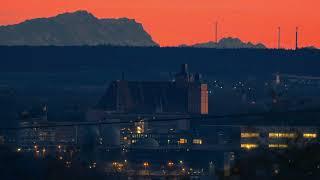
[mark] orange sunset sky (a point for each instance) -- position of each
(174, 22)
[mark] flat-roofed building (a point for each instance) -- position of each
(277, 137)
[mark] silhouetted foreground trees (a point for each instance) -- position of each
(289, 164)
(17, 166)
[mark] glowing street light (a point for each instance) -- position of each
(170, 164)
(146, 164)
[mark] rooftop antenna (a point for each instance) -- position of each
(297, 36)
(279, 37)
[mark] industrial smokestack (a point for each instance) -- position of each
(279, 37)
(216, 32)
(297, 36)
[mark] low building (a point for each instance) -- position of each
(277, 137)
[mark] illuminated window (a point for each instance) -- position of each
(183, 141)
(125, 138)
(309, 135)
(140, 127)
(139, 130)
(249, 135)
(282, 135)
(278, 146)
(197, 141)
(249, 146)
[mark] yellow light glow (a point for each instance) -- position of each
(278, 146)
(282, 135)
(197, 141)
(309, 135)
(249, 135)
(249, 146)
(146, 164)
(170, 164)
(183, 141)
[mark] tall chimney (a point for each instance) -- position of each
(279, 38)
(297, 36)
(216, 32)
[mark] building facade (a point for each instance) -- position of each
(185, 94)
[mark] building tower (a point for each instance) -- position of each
(184, 68)
(229, 159)
(183, 76)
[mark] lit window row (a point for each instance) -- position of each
(249, 135)
(309, 135)
(183, 141)
(278, 146)
(282, 135)
(249, 146)
(139, 130)
(197, 141)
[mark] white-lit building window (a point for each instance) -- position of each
(280, 146)
(282, 135)
(249, 135)
(249, 146)
(197, 141)
(183, 141)
(309, 135)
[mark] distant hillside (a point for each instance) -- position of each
(72, 79)
(77, 28)
(229, 43)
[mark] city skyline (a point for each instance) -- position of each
(189, 22)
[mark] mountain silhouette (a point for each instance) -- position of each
(77, 28)
(228, 43)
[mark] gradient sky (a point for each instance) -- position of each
(173, 22)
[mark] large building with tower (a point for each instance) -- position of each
(182, 97)
(185, 94)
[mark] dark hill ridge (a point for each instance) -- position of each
(73, 79)
(77, 28)
(229, 43)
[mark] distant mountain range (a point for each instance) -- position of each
(77, 28)
(228, 43)
(82, 28)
